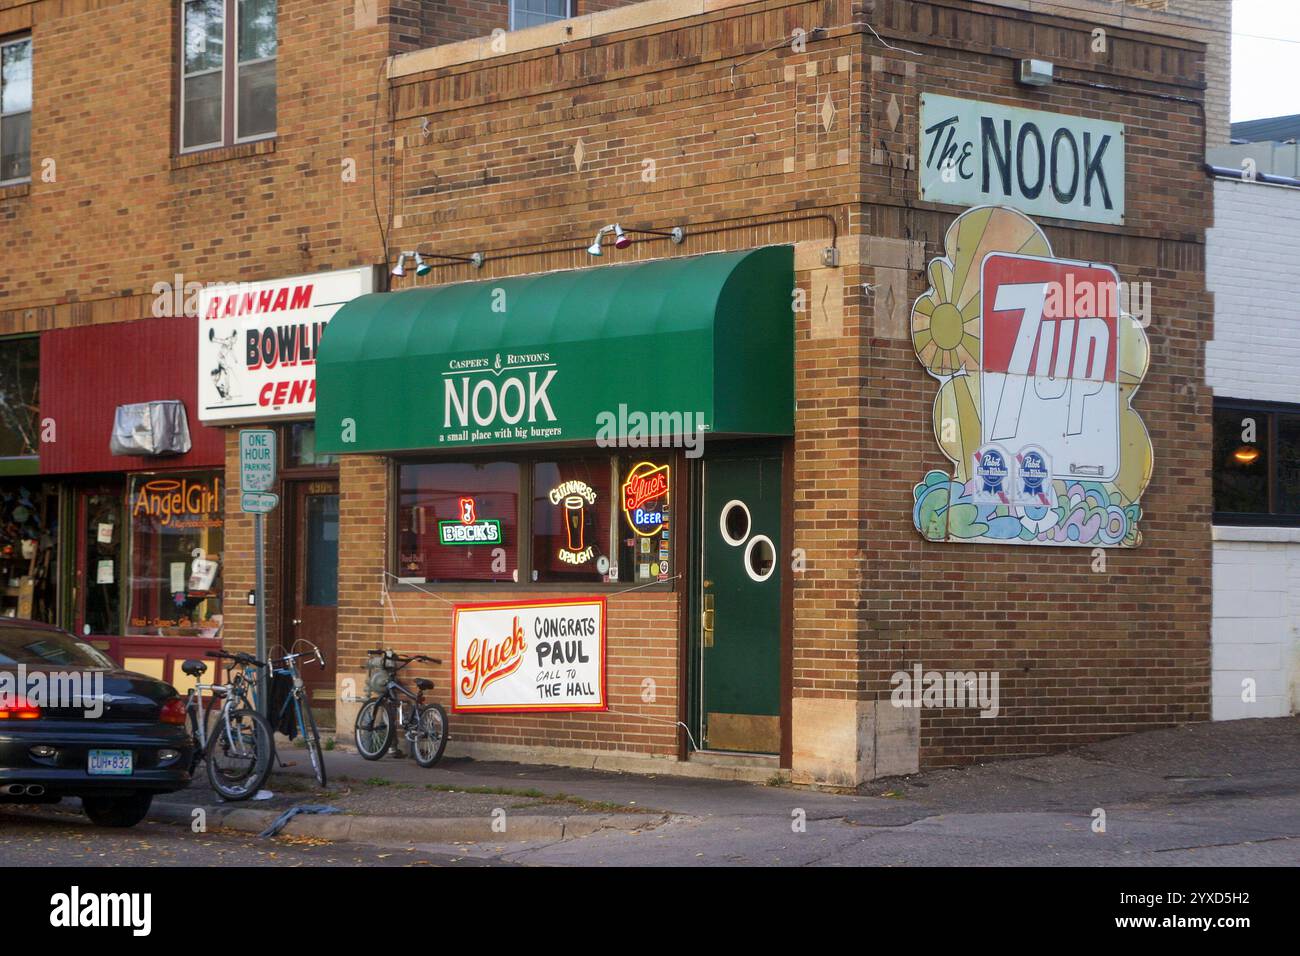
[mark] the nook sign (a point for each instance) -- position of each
(974, 153)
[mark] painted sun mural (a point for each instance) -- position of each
(1037, 362)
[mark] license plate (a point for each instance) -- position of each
(110, 763)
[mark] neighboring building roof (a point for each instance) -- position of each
(1272, 129)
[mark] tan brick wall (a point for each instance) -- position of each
(123, 213)
(752, 143)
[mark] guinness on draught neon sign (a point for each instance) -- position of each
(645, 498)
(574, 497)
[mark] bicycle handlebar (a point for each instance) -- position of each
(424, 658)
(238, 658)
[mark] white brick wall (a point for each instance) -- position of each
(1252, 265)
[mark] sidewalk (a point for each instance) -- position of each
(1201, 785)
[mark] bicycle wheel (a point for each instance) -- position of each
(374, 729)
(312, 736)
(430, 735)
(239, 754)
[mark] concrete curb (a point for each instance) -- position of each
(342, 827)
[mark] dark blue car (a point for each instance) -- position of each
(73, 723)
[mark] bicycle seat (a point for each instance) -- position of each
(424, 683)
(194, 668)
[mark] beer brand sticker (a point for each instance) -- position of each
(991, 470)
(529, 656)
(1033, 476)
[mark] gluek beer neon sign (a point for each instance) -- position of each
(645, 497)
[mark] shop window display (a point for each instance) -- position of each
(177, 536)
(28, 532)
(593, 520)
(458, 521)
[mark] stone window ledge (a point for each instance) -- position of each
(221, 154)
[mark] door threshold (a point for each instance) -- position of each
(735, 758)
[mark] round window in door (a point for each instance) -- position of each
(734, 522)
(760, 558)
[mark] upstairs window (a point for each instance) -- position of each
(1256, 464)
(531, 13)
(228, 89)
(15, 110)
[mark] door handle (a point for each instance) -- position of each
(706, 621)
(297, 621)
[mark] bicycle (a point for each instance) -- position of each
(287, 666)
(238, 746)
(426, 727)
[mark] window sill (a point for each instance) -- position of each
(1268, 534)
(510, 591)
(14, 191)
(221, 154)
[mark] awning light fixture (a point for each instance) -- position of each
(423, 267)
(622, 240)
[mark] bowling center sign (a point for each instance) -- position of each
(258, 343)
(529, 656)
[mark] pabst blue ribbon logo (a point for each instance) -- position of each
(1034, 473)
(992, 472)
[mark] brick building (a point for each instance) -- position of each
(857, 515)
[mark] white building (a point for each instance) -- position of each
(1253, 369)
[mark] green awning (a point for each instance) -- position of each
(564, 357)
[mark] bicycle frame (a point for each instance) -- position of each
(235, 689)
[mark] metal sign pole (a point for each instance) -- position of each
(257, 472)
(259, 547)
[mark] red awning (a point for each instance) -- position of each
(87, 371)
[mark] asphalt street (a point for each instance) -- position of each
(1196, 795)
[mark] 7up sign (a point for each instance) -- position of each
(1049, 359)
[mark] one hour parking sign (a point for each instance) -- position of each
(256, 459)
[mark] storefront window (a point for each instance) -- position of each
(1256, 464)
(101, 576)
(645, 525)
(458, 521)
(300, 448)
(571, 526)
(597, 519)
(177, 537)
(20, 379)
(28, 532)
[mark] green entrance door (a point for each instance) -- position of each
(740, 603)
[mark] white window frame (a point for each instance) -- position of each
(229, 72)
(14, 41)
(239, 66)
(225, 41)
(568, 12)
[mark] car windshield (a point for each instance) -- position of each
(41, 647)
